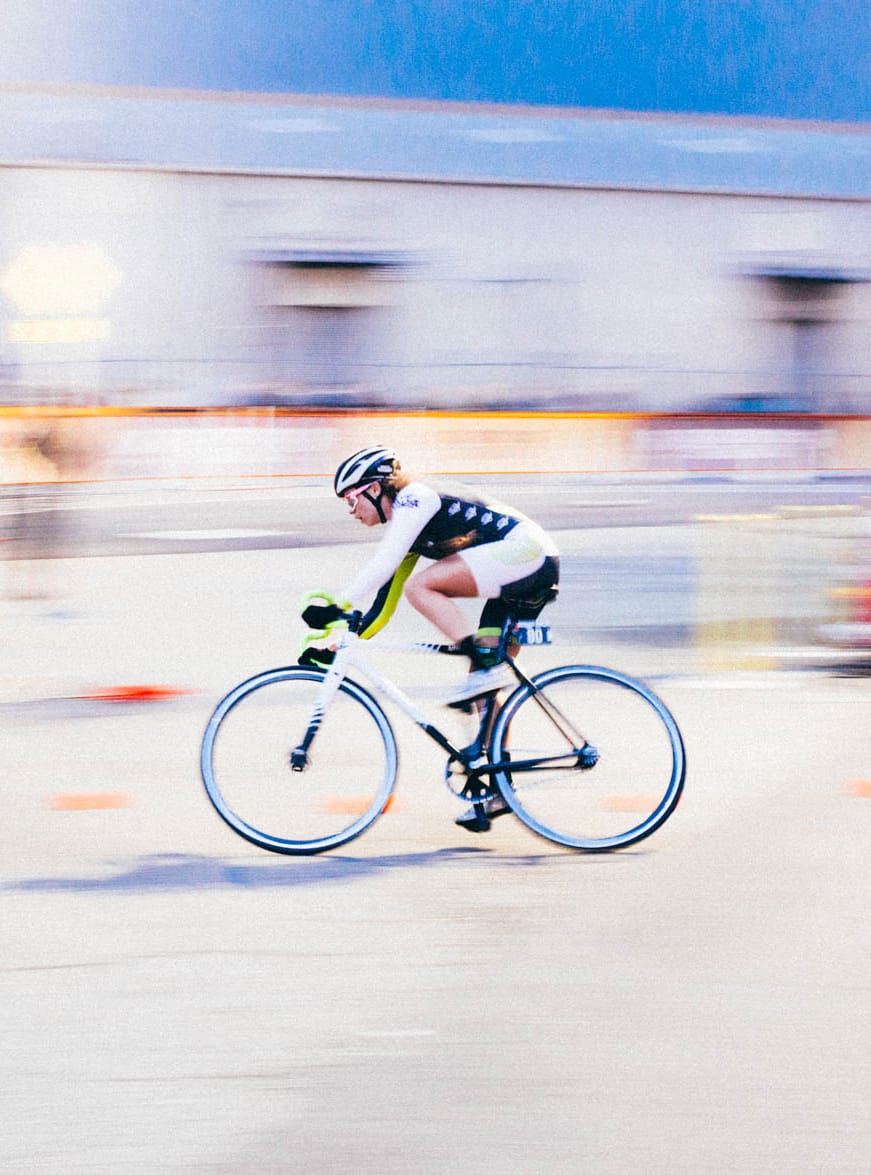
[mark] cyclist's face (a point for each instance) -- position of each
(360, 506)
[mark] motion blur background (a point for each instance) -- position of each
(638, 241)
(611, 261)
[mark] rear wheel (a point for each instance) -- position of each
(346, 776)
(615, 758)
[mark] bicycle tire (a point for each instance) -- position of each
(634, 786)
(246, 769)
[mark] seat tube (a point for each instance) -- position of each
(478, 748)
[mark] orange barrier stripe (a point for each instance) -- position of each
(29, 411)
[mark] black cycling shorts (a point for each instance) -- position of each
(525, 598)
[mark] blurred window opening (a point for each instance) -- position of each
(327, 323)
(325, 346)
(807, 304)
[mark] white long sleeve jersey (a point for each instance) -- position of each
(434, 524)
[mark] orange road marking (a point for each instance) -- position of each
(133, 693)
(357, 805)
(630, 803)
(860, 788)
(83, 802)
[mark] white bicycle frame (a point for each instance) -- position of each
(347, 657)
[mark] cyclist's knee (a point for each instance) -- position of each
(425, 597)
(414, 591)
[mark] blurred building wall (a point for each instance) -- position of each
(210, 289)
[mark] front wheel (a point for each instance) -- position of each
(598, 761)
(345, 778)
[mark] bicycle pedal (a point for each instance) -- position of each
(474, 820)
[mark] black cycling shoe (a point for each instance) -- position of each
(477, 817)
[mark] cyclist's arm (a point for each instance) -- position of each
(388, 597)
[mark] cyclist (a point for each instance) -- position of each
(479, 548)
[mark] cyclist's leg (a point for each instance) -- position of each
(519, 568)
(519, 599)
(522, 569)
(494, 614)
(525, 598)
(433, 593)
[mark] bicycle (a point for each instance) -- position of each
(300, 760)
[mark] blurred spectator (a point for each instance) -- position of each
(39, 457)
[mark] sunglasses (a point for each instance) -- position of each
(352, 496)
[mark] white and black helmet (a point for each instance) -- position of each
(377, 463)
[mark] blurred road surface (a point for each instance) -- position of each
(138, 517)
(174, 1000)
(633, 550)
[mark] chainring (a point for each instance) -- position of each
(465, 784)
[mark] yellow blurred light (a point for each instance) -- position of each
(58, 330)
(53, 281)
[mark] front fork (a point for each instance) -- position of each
(299, 756)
